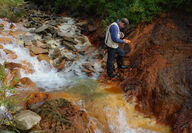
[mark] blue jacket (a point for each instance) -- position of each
(114, 31)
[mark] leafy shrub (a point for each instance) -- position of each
(136, 10)
(7, 102)
(4, 90)
(109, 10)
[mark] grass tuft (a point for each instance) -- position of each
(11, 9)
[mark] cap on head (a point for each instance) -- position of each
(125, 21)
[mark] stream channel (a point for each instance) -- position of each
(104, 103)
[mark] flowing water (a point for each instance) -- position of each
(105, 105)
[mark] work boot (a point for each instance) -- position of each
(123, 67)
(113, 76)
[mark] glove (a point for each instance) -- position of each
(126, 41)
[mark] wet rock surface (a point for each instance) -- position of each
(58, 40)
(43, 44)
(26, 119)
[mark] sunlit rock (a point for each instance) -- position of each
(28, 43)
(11, 54)
(28, 83)
(27, 67)
(42, 28)
(67, 37)
(41, 45)
(37, 50)
(68, 55)
(5, 115)
(52, 43)
(26, 119)
(54, 53)
(45, 57)
(12, 65)
(61, 65)
(20, 42)
(5, 40)
(1, 46)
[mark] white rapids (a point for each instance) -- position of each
(45, 75)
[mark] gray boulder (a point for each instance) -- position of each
(42, 28)
(26, 119)
(67, 36)
(67, 55)
(4, 115)
(54, 53)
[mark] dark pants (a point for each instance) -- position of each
(113, 53)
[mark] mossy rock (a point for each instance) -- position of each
(60, 116)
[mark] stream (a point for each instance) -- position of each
(105, 105)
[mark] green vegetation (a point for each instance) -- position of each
(11, 9)
(135, 10)
(8, 102)
(109, 10)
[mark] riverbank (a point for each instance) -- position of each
(161, 80)
(64, 59)
(97, 107)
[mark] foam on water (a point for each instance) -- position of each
(119, 123)
(45, 76)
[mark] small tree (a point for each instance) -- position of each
(7, 102)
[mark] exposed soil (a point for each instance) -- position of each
(184, 120)
(162, 77)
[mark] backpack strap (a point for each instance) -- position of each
(106, 40)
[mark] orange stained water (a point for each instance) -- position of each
(113, 89)
(104, 110)
(110, 105)
(104, 104)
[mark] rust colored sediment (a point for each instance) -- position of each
(161, 80)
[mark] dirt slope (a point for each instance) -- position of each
(162, 78)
